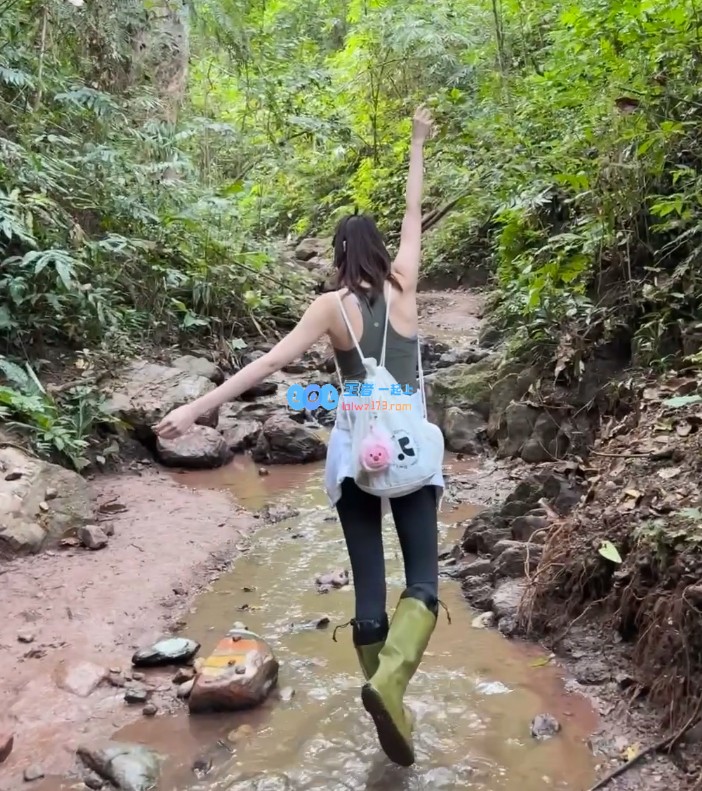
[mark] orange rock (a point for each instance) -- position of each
(239, 674)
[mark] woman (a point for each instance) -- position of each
(389, 653)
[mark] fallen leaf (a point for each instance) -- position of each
(631, 752)
(681, 401)
(669, 472)
(610, 552)
(691, 513)
(651, 393)
(542, 661)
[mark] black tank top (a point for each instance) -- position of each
(400, 354)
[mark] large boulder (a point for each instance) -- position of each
(239, 674)
(463, 430)
(242, 435)
(309, 249)
(522, 512)
(143, 393)
(201, 448)
(465, 386)
(284, 441)
(199, 366)
(40, 503)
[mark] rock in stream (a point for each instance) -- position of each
(129, 767)
(171, 651)
(239, 674)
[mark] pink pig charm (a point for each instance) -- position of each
(375, 452)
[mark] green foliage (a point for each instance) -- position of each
(138, 202)
(55, 428)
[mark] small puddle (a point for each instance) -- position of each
(474, 695)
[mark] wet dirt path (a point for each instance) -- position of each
(474, 696)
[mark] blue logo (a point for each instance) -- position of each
(311, 397)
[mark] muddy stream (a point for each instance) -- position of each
(474, 695)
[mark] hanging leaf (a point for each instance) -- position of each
(610, 552)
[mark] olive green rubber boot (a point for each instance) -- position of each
(368, 640)
(408, 637)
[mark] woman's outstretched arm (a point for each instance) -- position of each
(406, 264)
(310, 328)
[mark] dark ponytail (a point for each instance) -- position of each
(360, 256)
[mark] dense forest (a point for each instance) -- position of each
(157, 155)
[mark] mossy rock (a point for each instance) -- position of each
(463, 385)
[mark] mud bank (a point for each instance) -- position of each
(69, 616)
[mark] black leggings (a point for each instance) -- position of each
(415, 518)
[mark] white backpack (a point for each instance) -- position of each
(416, 446)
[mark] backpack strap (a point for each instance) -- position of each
(348, 327)
(420, 373)
(387, 321)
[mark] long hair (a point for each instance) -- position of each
(360, 256)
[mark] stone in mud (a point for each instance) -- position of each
(185, 689)
(283, 441)
(485, 620)
(32, 773)
(511, 385)
(544, 726)
(311, 248)
(92, 537)
(93, 781)
(463, 430)
(465, 386)
(514, 558)
(508, 627)
(259, 391)
(183, 674)
(465, 355)
(507, 597)
(201, 448)
(478, 591)
(278, 513)
(243, 435)
(333, 579)
(592, 671)
(7, 741)
(316, 623)
(129, 767)
(239, 674)
(136, 694)
(80, 678)
(287, 694)
(199, 366)
(473, 568)
(547, 442)
(170, 651)
(143, 393)
(483, 531)
(25, 527)
(530, 526)
(432, 350)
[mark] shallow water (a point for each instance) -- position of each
(474, 695)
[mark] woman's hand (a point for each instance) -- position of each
(177, 422)
(422, 125)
